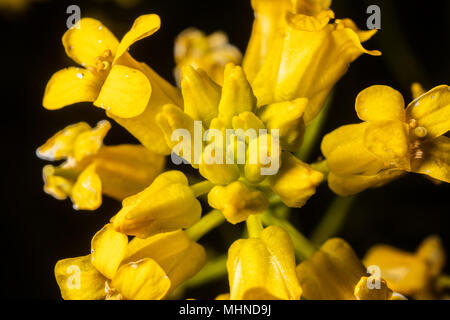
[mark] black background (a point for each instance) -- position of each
(37, 230)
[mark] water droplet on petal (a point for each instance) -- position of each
(80, 75)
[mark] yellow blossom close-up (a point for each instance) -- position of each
(223, 159)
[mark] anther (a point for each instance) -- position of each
(421, 132)
(412, 123)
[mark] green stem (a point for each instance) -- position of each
(254, 225)
(313, 130)
(214, 269)
(333, 219)
(208, 222)
(304, 249)
(321, 166)
(201, 188)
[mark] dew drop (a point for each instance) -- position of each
(99, 41)
(100, 28)
(80, 75)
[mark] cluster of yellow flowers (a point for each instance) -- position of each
(296, 54)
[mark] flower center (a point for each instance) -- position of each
(102, 63)
(418, 133)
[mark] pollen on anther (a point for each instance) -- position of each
(421, 132)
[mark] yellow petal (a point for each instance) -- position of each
(167, 204)
(145, 129)
(404, 272)
(380, 103)
(108, 248)
(58, 181)
(79, 280)
(263, 268)
(306, 60)
(125, 93)
(237, 95)
(69, 86)
(144, 26)
(436, 159)
(60, 146)
(178, 255)
(346, 153)
(88, 40)
(389, 142)
(269, 17)
(364, 292)
(432, 111)
(288, 118)
(346, 185)
(170, 120)
(296, 181)
(237, 201)
(88, 143)
(141, 280)
(87, 191)
(263, 158)
(201, 95)
(364, 35)
(331, 273)
(127, 169)
(432, 252)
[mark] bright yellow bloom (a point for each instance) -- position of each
(233, 106)
(209, 53)
(140, 269)
(237, 201)
(390, 141)
(411, 274)
(263, 267)
(90, 168)
(131, 92)
(335, 273)
(296, 181)
(166, 205)
(295, 52)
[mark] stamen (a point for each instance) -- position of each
(412, 123)
(421, 132)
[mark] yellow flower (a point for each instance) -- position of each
(130, 91)
(140, 269)
(411, 274)
(263, 267)
(237, 201)
(296, 181)
(390, 141)
(295, 52)
(209, 53)
(90, 168)
(335, 273)
(233, 106)
(166, 205)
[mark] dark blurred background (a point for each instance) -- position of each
(38, 230)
